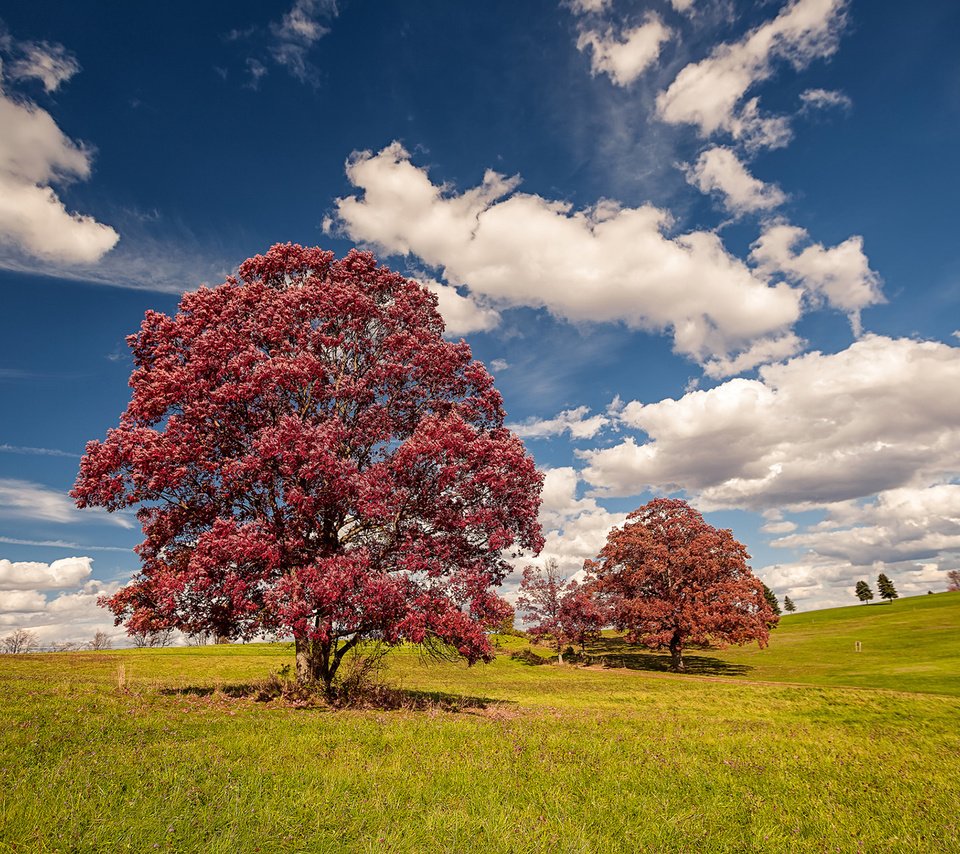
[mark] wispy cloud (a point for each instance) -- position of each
(288, 41)
(22, 499)
(296, 34)
(168, 264)
(63, 544)
(577, 422)
(38, 452)
(51, 64)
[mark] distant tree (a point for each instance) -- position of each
(788, 605)
(885, 587)
(64, 646)
(581, 615)
(101, 640)
(670, 579)
(563, 611)
(771, 598)
(152, 638)
(508, 625)
(310, 456)
(863, 591)
(541, 591)
(20, 641)
(953, 580)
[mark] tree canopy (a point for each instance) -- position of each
(309, 456)
(670, 580)
(863, 591)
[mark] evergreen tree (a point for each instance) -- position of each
(788, 605)
(886, 588)
(863, 591)
(771, 598)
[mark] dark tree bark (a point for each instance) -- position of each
(317, 662)
(676, 654)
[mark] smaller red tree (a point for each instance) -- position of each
(953, 579)
(539, 601)
(563, 611)
(581, 615)
(670, 580)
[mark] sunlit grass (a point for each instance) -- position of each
(564, 759)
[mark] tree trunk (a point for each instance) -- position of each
(676, 654)
(313, 663)
(318, 661)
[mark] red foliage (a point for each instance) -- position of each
(539, 600)
(582, 615)
(309, 456)
(562, 611)
(670, 580)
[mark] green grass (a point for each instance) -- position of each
(910, 644)
(560, 759)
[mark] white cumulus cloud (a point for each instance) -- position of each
(21, 601)
(68, 617)
(461, 314)
(605, 264)
(574, 528)
(71, 614)
(624, 56)
(32, 575)
(812, 431)
(908, 524)
(35, 153)
(708, 94)
(840, 274)
(719, 170)
(760, 352)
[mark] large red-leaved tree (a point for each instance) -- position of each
(669, 580)
(309, 457)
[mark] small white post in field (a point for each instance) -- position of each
(857, 646)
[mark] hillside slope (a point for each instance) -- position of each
(912, 644)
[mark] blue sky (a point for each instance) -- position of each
(707, 247)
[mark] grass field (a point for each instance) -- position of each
(910, 645)
(150, 751)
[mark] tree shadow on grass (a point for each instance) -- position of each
(615, 652)
(374, 697)
(238, 691)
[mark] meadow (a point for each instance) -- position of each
(804, 746)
